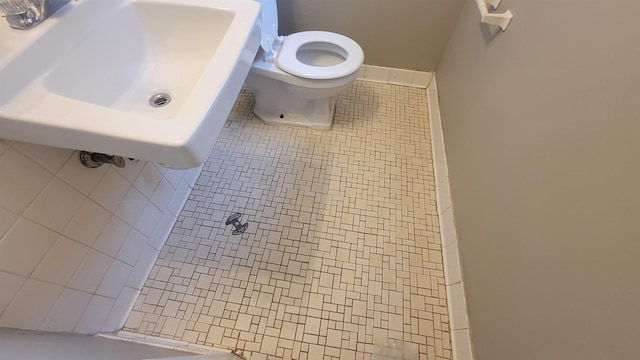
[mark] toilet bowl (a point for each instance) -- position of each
(296, 78)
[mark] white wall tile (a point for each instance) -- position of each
(97, 209)
(452, 272)
(23, 181)
(162, 169)
(461, 343)
(443, 196)
(131, 206)
(91, 272)
(447, 228)
(56, 205)
(422, 79)
(401, 77)
(191, 175)
(377, 73)
(31, 305)
(23, 247)
(120, 310)
(66, 312)
(51, 158)
(437, 140)
(112, 236)
(131, 170)
(162, 230)
(179, 198)
(148, 219)
(132, 247)
(61, 262)
(143, 267)
(81, 177)
(111, 190)
(114, 279)
(457, 307)
(10, 285)
(395, 76)
(94, 315)
(88, 222)
(7, 219)
(174, 177)
(148, 180)
(163, 194)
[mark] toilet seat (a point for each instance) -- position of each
(322, 41)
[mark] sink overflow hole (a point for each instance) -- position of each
(159, 100)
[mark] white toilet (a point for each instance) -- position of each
(296, 78)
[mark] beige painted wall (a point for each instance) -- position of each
(404, 34)
(542, 132)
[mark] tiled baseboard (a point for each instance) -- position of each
(458, 319)
(164, 343)
(420, 79)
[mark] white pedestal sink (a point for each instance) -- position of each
(86, 77)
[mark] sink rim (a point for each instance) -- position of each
(141, 136)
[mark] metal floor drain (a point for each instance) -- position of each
(234, 220)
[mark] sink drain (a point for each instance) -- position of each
(159, 100)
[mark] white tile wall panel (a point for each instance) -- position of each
(71, 258)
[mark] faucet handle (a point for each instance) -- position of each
(14, 7)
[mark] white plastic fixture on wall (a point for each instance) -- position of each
(499, 19)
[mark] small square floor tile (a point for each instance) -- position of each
(341, 250)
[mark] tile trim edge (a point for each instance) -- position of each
(149, 340)
(394, 76)
(458, 319)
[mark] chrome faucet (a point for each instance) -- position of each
(26, 14)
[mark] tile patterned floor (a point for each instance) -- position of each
(342, 256)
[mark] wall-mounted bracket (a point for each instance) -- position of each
(499, 19)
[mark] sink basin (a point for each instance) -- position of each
(146, 79)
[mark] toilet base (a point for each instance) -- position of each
(311, 113)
